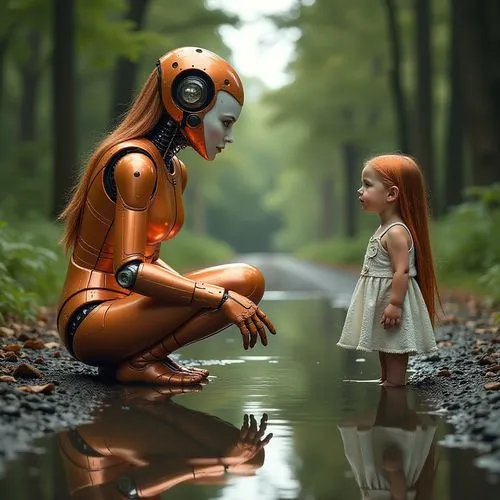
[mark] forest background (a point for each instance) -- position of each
(415, 76)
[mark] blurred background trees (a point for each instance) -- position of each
(368, 77)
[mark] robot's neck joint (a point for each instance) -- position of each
(168, 138)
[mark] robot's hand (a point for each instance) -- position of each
(250, 441)
(249, 318)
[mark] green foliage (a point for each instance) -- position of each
(339, 251)
(100, 24)
(468, 242)
(189, 251)
(491, 281)
(28, 274)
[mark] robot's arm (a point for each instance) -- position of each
(135, 177)
(162, 475)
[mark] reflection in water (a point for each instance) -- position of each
(153, 444)
(391, 451)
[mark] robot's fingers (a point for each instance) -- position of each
(267, 439)
(245, 334)
(262, 315)
(253, 331)
(261, 329)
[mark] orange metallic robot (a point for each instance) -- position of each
(154, 446)
(122, 308)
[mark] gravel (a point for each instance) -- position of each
(462, 382)
(69, 391)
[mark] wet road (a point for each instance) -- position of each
(335, 433)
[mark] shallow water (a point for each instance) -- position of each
(336, 433)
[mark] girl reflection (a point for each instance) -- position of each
(392, 453)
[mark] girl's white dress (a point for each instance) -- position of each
(364, 449)
(362, 329)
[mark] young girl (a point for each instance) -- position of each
(393, 305)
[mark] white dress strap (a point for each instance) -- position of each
(396, 224)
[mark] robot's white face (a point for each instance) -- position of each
(218, 123)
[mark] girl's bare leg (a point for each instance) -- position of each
(396, 369)
(383, 367)
(133, 337)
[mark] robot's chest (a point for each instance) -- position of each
(166, 211)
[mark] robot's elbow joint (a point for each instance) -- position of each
(127, 274)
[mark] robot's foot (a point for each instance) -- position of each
(158, 392)
(156, 373)
(186, 369)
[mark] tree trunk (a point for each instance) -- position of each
(125, 74)
(479, 54)
(395, 77)
(424, 151)
(63, 103)
(30, 79)
(350, 154)
(4, 45)
(454, 182)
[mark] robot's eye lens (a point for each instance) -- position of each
(191, 93)
(192, 90)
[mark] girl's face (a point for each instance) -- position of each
(218, 123)
(372, 193)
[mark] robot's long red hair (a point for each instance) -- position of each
(403, 172)
(140, 119)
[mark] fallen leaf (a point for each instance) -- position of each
(492, 386)
(450, 320)
(25, 370)
(444, 343)
(52, 345)
(7, 378)
(24, 336)
(444, 372)
(486, 360)
(11, 347)
(34, 344)
(6, 332)
(44, 389)
(10, 356)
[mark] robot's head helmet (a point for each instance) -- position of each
(193, 82)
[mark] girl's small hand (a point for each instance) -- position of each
(391, 316)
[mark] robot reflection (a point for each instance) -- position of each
(122, 308)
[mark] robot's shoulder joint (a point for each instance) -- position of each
(135, 177)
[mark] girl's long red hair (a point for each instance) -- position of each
(403, 172)
(140, 119)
